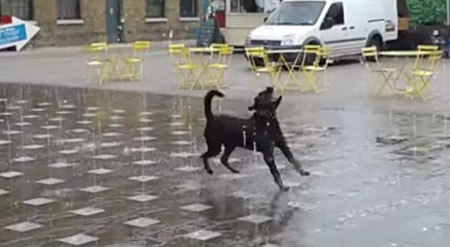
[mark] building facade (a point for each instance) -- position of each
(78, 22)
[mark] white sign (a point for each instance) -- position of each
(18, 33)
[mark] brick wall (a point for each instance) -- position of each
(136, 27)
(93, 28)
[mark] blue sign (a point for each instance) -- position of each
(12, 34)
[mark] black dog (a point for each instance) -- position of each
(261, 132)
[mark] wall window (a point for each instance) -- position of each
(155, 8)
(188, 8)
(22, 9)
(68, 9)
(253, 6)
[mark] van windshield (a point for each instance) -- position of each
(296, 13)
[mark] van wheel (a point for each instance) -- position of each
(377, 42)
(310, 58)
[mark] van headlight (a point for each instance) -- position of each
(287, 40)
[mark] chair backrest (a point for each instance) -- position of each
(370, 57)
(258, 52)
(139, 49)
(324, 54)
(368, 52)
(425, 51)
(100, 45)
(225, 54)
(93, 52)
(311, 51)
(434, 60)
(218, 45)
(173, 47)
(141, 45)
(429, 48)
(179, 54)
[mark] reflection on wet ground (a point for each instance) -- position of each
(103, 168)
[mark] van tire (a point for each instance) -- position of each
(377, 42)
(309, 60)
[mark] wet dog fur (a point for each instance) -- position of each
(260, 132)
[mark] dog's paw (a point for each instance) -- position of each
(285, 188)
(304, 173)
(235, 171)
(210, 172)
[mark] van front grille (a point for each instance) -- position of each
(266, 42)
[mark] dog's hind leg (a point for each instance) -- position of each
(268, 158)
(281, 144)
(226, 155)
(213, 150)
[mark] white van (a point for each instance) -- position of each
(344, 25)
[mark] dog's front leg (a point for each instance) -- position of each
(281, 144)
(268, 158)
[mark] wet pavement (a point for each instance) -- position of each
(122, 169)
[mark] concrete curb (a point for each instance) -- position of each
(157, 46)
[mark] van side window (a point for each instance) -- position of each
(336, 11)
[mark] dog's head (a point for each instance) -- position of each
(265, 104)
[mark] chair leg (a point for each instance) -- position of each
(185, 74)
(386, 81)
(105, 73)
(218, 79)
(421, 90)
(309, 77)
(181, 79)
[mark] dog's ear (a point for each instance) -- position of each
(277, 102)
(269, 89)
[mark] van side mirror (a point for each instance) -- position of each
(265, 19)
(327, 23)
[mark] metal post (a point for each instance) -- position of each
(206, 4)
(448, 12)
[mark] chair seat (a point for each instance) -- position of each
(188, 66)
(312, 68)
(218, 66)
(95, 63)
(419, 72)
(382, 69)
(133, 60)
(266, 70)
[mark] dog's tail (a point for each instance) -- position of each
(208, 99)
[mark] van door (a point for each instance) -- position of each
(334, 31)
(357, 23)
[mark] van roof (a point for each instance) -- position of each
(314, 0)
(309, 0)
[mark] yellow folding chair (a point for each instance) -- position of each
(216, 70)
(421, 76)
(384, 74)
(102, 45)
(183, 66)
(252, 61)
(218, 45)
(134, 64)
(424, 50)
(94, 60)
(225, 53)
(313, 73)
(261, 63)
